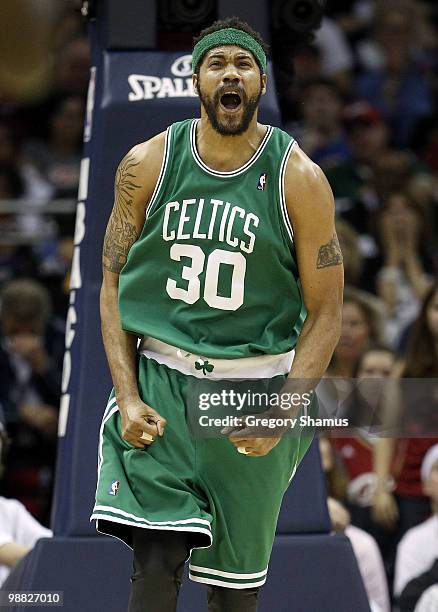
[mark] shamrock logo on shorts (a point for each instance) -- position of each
(204, 365)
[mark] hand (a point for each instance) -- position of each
(389, 239)
(137, 419)
(384, 510)
(30, 347)
(247, 437)
(411, 233)
(42, 417)
(339, 516)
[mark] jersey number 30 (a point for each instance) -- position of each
(192, 292)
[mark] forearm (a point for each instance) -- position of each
(415, 275)
(315, 346)
(11, 553)
(383, 452)
(120, 346)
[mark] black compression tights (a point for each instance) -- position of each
(159, 558)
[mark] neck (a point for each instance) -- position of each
(227, 153)
(63, 146)
(342, 367)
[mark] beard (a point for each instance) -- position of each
(230, 125)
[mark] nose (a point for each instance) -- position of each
(231, 74)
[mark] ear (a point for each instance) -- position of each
(264, 83)
(195, 82)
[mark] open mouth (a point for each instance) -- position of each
(231, 101)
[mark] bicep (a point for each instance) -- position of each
(127, 216)
(134, 183)
(319, 257)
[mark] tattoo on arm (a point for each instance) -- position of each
(121, 233)
(329, 254)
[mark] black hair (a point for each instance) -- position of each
(323, 82)
(378, 347)
(236, 23)
(14, 182)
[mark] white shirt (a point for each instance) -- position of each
(18, 525)
(371, 568)
(428, 602)
(416, 553)
(335, 51)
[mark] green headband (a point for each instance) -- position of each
(228, 36)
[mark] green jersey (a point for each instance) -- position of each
(214, 270)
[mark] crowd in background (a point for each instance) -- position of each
(361, 100)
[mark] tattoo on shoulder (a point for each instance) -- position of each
(121, 233)
(329, 254)
(124, 185)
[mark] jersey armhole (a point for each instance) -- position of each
(163, 171)
(283, 208)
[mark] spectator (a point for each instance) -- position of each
(375, 364)
(321, 134)
(32, 184)
(58, 160)
(418, 549)
(359, 269)
(30, 360)
(429, 599)
(19, 531)
(399, 87)
(14, 260)
(419, 595)
(364, 546)
(353, 17)
(402, 281)
(336, 55)
(351, 180)
(359, 183)
(71, 75)
(361, 323)
(293, 73)
(31, 354)
(364, 408)
(399, 509)
(334, 470)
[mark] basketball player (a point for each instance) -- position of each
(222, 229)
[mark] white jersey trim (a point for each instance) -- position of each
(283, 206)
(230, 585)
(214, 572)
(261, 366)
(230, 173)
(143, 520)
(163, 168)
(112, 519)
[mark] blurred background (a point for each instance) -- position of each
(360, 96)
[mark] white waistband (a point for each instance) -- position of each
(261, 366)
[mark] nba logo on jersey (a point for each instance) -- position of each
(114, 487)
(262, 182)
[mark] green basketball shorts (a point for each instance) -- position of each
(227, 501)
